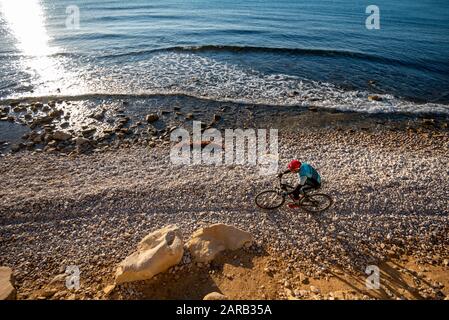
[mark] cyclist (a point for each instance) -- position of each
(308, 177)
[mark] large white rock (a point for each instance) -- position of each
(207, 242)
(157, 252)
(7, 290)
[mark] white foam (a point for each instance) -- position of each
(204, 77)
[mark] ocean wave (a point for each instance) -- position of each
(319, 52)
(426, 66)
(174, 73)
(252, 49)
(216, 48)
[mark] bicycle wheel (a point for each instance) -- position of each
(269, 199)
(315, 203)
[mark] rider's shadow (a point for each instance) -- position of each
(326, 224)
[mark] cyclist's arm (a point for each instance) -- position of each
(302, 180)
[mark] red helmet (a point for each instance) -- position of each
(294, 165)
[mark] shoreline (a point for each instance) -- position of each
(79, 126)
(91, 209)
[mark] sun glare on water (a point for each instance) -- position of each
(26, 21)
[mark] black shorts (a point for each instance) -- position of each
(309, 185)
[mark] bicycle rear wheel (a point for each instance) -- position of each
(315, 203)
(269, 199)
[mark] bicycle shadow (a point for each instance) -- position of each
(396, 280)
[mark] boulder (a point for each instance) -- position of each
(7, 290)
(152, 117)
(207, 242)
(157, 252)
(61, 136)
(215, 296)
(56, 113)
(374, 98)
(36, 137)
(42, 120)
(80, 141)
(88, 131)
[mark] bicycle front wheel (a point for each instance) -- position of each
(315, 203)
(269, 199)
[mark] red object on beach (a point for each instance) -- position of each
(294, 165)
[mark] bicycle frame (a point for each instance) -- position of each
(284, 187)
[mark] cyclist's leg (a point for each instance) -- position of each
(307, 187)
(295, 193)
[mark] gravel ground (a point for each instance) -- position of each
(391, 192)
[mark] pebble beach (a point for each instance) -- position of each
(96, 95)
(389, 183)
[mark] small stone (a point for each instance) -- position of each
(60, 278)
(293, 93)
(314, 289)
(301, 293)
(215, 296)
(72, 297)
(108, 289)
(48, 293)
(60, 294)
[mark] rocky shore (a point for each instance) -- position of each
(96, 125)
(84, 197)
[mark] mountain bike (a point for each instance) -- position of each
(309, 201)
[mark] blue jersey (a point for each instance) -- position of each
(307, 172)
